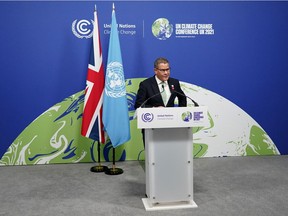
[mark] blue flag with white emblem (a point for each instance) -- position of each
(115, 105)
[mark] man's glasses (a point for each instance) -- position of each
(163, 70)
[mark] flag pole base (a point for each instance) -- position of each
(114, 171)
(99, 168)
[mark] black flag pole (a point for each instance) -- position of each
(99, 167)
(114, 170)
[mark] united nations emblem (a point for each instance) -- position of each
(115, 82)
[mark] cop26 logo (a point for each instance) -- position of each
(162, 29)
(187, 116)
(147, 117)
(83, 28)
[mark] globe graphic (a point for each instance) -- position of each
(161, 29)
(54, 136)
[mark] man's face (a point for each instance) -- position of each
(162, 71)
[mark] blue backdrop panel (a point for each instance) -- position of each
(245, 60)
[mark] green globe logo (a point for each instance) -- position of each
(186, 116)
(161, 29)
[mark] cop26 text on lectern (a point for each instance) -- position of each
(169, 154)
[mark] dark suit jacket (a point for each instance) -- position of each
(149, 88)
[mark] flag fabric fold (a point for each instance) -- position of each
(115, 105)
(92, 124)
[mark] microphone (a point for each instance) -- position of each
(194, 102)
(152, 96)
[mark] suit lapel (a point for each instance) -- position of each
(169, 84)
(172, 96)
(155, 89)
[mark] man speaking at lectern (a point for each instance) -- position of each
(161, 89)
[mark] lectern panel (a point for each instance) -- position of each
(170, 165)
(169, 154)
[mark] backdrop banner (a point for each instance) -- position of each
(229, 56)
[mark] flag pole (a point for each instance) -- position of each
(92, 125)
(98, 168)
(114, 170)
(115, 96)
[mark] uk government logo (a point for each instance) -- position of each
(115, 82)
(83, 28)
(162, 29)
(147, 117)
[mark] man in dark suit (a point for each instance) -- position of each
(161, 88)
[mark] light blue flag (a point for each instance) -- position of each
(115, 105)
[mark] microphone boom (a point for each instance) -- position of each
(194, 102)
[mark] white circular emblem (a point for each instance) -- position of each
(115, 83)
(82, 28)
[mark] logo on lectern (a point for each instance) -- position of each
(147, 117)
(187, 116)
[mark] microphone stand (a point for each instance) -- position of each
(194, 102)
(141, 106)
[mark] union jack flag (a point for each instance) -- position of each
(92, 125)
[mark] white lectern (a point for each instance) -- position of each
(169, 154)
